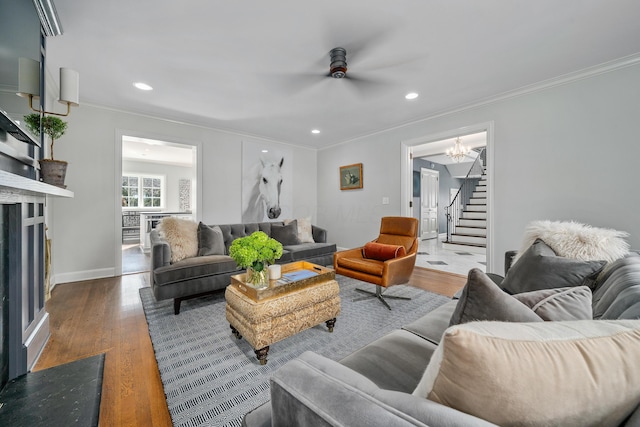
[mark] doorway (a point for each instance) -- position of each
(157, 178)
(429, 152)
(429, 184)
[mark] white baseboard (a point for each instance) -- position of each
(78, 276)
(37, 340)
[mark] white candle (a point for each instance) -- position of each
(275, 272)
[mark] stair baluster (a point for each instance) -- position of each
(465, 193)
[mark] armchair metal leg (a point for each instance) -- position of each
(379, 294)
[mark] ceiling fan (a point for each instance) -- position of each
(338, 70)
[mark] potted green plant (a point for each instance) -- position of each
(255, 252)
(51, 171)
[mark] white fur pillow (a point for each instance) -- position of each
(182, 236)
(577, 241)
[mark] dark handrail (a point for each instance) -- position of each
(463, 195)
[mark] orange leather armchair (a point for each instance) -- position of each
(394, 230)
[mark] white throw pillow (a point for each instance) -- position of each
(577, 373)
(182, 236)
(578, 241)
(305, 234)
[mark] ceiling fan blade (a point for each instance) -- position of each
(366, 87)
(358, 40)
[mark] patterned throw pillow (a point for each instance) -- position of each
(305, 233)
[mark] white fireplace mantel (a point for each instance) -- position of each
(14, 188)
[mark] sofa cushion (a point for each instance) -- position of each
(368, 266)
(382, 252)
(393, 362)
(540, 268)
(617, 293)
(210, 240)
(305, 230)
(309, 250)
(182, 236)
(193, 268)
(578, 241)
(573, 303)
(432, 325)
(574, 373)
(482, 299)
(286, 234)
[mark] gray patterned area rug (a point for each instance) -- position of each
(212, 379)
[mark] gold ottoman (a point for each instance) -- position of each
(267, 316)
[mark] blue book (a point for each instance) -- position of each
(294, 276)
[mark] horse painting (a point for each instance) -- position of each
(264, 196)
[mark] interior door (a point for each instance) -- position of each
(429, 182)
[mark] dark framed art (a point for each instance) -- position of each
(351, 177)
(416, 183)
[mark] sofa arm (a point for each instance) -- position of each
(319, 234)
(314, 390)
(160, 251)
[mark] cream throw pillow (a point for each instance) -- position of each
(577, 373)
(305, 235)
(182, 236)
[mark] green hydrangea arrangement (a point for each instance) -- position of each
(255, 251)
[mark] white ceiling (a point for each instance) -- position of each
(154, 151)
(260, 67)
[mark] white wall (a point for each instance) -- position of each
(83, 228)
(567, 152)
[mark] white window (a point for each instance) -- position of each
(142, 191)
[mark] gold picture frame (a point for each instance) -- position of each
(351, 177)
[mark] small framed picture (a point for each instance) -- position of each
(351, 177)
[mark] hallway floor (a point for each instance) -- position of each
(134, 260)
(432, 255)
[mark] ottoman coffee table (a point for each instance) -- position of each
(285, 307)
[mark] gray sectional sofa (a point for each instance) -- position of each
(200, 275)
(373, 386)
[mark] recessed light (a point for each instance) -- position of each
(411, 95)
(316, 131)
(265, 151)
(142, 86)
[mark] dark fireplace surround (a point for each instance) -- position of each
(24, 322)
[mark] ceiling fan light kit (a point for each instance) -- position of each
(338, 66)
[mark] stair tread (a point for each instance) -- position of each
(477, 245)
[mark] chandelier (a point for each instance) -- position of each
(458, 151)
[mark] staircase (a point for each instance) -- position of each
(467, 214)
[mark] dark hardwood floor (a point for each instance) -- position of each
(106, 316)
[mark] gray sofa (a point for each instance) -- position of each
(201, 275)
(373, 386)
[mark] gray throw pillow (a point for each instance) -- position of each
(540, 268)
(482, 299)
(573, 303)
(286, 234)
(210, 240)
